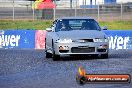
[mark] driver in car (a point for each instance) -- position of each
(65, 26)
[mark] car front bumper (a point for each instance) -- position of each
(81, 48)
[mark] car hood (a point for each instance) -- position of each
(80, 34)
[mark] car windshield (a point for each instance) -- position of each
(77, 24)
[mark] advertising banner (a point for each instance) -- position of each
(17, 39)
(35, 39)
(119, 39)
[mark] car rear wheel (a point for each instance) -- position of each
(104, 56)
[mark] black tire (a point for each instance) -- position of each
(54, 56)
(48, 55)
(104, 56)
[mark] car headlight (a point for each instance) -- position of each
(100, 40)
(64, 41)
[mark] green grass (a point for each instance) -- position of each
(41, 25)
(35, 25)
(117, 25)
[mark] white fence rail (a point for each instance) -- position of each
(15, 10)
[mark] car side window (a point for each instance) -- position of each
(53, 25)
(58, 26)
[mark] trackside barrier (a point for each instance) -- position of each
(17, 39)
(35, 39)
(22, 39)
(119, 39)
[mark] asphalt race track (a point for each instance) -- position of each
(30, 69)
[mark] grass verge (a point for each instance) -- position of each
(42, 25)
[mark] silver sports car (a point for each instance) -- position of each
(75, 36)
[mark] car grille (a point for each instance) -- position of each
(82, 50)
(83, 40)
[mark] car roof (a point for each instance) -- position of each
(75, 18)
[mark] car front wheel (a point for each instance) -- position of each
(54, 56)
(48, 55)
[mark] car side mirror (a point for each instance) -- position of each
(104, 28)
(48, 29)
